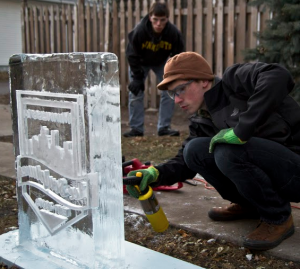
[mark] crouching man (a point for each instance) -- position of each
(244, 140)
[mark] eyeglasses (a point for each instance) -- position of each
(179, 90)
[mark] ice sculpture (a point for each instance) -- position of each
(66, 123)
(67, 138)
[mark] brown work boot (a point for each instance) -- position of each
(232, 212)
(267, 236)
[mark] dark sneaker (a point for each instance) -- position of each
(267, 236)
(168, 131)
(232, 212)
(133, 133)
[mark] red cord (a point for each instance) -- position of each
(205, 183)
(212, 188)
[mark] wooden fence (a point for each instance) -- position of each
(219, 30)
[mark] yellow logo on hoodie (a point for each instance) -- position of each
(155, 47)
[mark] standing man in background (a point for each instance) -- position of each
(150, 45)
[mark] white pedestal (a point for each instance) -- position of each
(137, 257)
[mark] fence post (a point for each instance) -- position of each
(171, 8)
(137, 12)
(230, 34)
(107, 26)
(101, 22)
(122, 54)
(178, 11)
(81, 32)
(145, 8)
(198, 26)
(75, 19)
(88, 28)
(58, 40)
(253, 27)
(241, 30)
(23, 28)
(219, 39)
(95, 28)
(52, 29)
(116, 29)
(208, 36)
(189, 26)
(31, 30)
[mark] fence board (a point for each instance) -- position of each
(88, 28)
(171, 8)
(178, 13)
(75, 16)
(253, 26)
(95, 28)
(240, 41)
(47, 30)
(41, 28)
(189, 26)
(230, 35)
(208, 36)
(219, 39)
(264, 15)
(52, 20)
(31, 17)
(198, 27)
(23, 29)
(145, 8)
(129, 16)
(107, 26)
(122, 54)
(57, 22)
(81, 32)
(70, 24)
(101, 26)
(27, 31)
(137, 12)
(115, 26)
(64, 29)
(35, 32)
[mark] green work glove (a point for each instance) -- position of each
(226, 136)
(149, 175)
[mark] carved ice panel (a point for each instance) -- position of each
(51, 167)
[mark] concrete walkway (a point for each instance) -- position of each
(186, 207)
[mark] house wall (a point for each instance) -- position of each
(10, 30)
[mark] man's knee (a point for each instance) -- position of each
(195, 150)
(228, 155)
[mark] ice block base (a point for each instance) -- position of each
(137, 257)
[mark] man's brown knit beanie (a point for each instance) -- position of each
(186, 65)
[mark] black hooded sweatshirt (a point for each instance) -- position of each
(145, 48)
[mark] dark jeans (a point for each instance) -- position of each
(260, 173)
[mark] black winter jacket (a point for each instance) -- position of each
(146, 49)
(254, 100)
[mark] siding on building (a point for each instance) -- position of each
(10, 30)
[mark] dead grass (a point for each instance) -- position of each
(151, 148)
(4, 75)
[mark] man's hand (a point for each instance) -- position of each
(226, 136)
(136, 86)
(149, 176)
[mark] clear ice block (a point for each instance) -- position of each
(67, 137)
